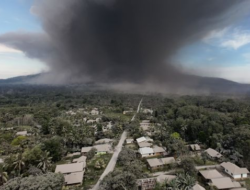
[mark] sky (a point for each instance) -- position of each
(224, 53)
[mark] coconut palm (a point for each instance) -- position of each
(45, 162)
(3, 176)
(19, 163)
(99, 164)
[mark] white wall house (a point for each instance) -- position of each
(234, 171)
(146, 152)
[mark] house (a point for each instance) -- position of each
(146, 152)
(74, 154)
(85, 150)
(1, 161)
(94, 112)
(198, 187)
(100, 149)
(104, 141)
(234, 171)
(195, 147)
(146, 184)
(149, 139)
(163, 178)
(126, 112)
(129, 141)
(69, 168)
(145, 125)
(224, 183)
(213, 154)
(159, 163)
(144, 144)
(74, 178)
(158, 150)
(141, 139)
(149, 183)
(22, 133)
(210, 174)
(146, 111)
(73, 173)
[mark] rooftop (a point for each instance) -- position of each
(102, 141)
(160, 161)
(69, 168)
(144, 144)
(223, 183)
(163, 178)
(234, 169)
(141, 139)
(210, 174)
(195, 147)
(158, 149)
(213, 153)
(198, 187)
(146, 150)
(74, 178)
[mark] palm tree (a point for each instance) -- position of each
(45, 162)
(19, 163)
(185, 181)
(3, 176)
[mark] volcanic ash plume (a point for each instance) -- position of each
(121, 41)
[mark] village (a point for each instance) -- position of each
(112, 141)
(159, 164)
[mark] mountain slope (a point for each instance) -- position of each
(212, 85)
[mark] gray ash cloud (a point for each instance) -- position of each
(113, 41)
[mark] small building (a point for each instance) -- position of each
(164, 178)
(74, 154)
(104, 141)
(195, 147)
(146, 111)
(94, 112)
(146, 152)
(159, 150)
(129, 141)
(69, 168)
(213, 154)
(100, 149)
(141, 139)
(126, 112)
(22, 133)
(80, 160)
(74, 178)
(1, 161)
(144, 144)
(224, 183)
(85, 150)
(198, 187)
(157, 163)
(234, 171)
(210, 174)
(146, 184)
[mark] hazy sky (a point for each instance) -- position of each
(227, 49)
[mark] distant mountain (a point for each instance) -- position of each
(209, 84)
(19, 80)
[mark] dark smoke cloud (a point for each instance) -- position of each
(121, 40)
